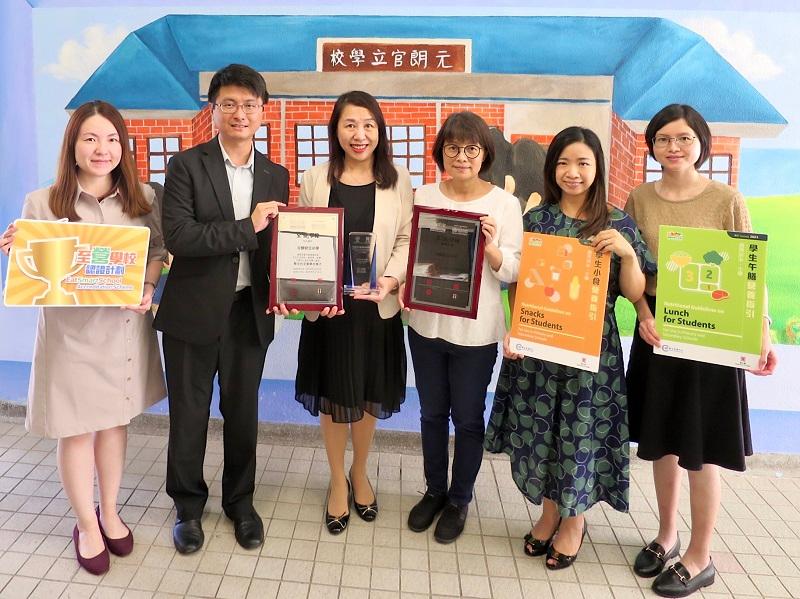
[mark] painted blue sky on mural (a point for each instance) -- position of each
(653, 61)
(758, 44)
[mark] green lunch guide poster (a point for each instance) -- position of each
(710, 300)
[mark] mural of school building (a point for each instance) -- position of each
(527, 76)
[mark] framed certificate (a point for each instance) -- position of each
(445, 262)
(306, 266)
(67, 264)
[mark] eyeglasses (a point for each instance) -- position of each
(232, 107)
(662, 141)
(471, 151)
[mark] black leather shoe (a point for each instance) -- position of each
(422, 515)
(187, 535)
(249, 530)
(451, 523)
(337, 524)
(367, 512)
(651, 560)
(675, 581)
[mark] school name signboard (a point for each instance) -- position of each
(403, 55)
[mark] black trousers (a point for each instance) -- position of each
(238, 358)
(451, 381)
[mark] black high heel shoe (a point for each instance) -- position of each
(337, 524)
(368, 513)
(535, 547)
(562, 561)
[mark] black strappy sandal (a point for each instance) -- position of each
(562, 561)
(535, 547)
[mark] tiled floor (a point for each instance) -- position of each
(757, 549)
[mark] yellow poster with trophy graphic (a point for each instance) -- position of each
(58, 263)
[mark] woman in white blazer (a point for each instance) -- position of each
(352, 365)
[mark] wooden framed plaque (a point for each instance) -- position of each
(445, 262)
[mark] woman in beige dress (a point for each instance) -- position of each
(94, 369)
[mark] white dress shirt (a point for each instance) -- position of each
(240, 180)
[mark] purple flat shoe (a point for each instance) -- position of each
(120, 547)
(96, 565)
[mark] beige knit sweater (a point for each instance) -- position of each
(718, 206)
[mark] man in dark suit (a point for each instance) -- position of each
(219, 198)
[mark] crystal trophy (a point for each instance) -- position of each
(363, 277)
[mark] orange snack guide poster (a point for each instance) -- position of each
(560, 301)
(68, 264)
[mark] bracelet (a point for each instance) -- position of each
(768, 319)
(150, 283)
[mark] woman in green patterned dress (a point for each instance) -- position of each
(566, 429)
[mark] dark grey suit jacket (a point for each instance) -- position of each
(205, 238)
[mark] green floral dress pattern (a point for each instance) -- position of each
(566, 429)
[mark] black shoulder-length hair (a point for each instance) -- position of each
(595, 207)
(382, 166)
(694, 119)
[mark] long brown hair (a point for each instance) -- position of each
(595, 208)
(382, 167)
(125, 182)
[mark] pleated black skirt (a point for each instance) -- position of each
(352, 363)
(693, 410)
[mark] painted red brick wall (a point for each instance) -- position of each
(143, 129)
(201, 127)
(626, 166)
(272, 117)
(732, 146)
(416, 114)
(627, 160)
(298, 112)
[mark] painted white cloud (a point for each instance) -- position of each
(78, 58)
(737, 47)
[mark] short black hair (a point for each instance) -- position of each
(465, 127)
(694, 119)
(239, 75)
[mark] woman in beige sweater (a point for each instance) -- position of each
(685, 414)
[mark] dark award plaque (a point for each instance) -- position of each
(445, 262)
(306, 264)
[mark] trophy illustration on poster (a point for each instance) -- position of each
(51, 261)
